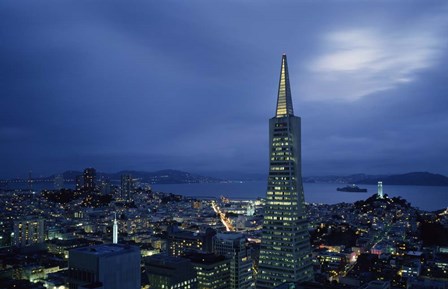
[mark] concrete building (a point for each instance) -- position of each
(285, 244)
(127, 187)
(28, 232)
(213, 271)
(106, 266)
(181, 241)
(170, 272)
(89, 179)
(235, 247)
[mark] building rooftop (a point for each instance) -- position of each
(229, 235)
(164, 259)
(204, 258)
(105, 249)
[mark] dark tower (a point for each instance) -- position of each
(127, 187)
(89, 177)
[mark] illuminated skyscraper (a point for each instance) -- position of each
(213, 271)
(233, 245)
(285, 245)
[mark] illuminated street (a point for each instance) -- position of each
(225, 221)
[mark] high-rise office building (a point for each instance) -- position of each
(170, 272)
(180, 241)
(285, 245)
(105, 266)
(127, 187)
(213, 271)
(89, 177)
(28, 232)
(234, 246)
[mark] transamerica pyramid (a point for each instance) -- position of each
(285, 244)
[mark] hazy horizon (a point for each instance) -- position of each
(228, 175)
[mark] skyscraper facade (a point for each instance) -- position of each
(285, 245)
(127, 187)
(180, 241)
(234, 245)
(213, 271)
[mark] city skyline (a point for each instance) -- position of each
(120, 87)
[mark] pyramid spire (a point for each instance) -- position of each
(285, 248)
(284, 102)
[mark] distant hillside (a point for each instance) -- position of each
(180, 177)
(157, 177)
(351, 179)
(411, 179)
(239, 176)
(166, 177)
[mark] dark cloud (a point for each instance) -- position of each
(152, 85)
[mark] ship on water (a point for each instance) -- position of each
(352, 189)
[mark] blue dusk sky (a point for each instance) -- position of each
(191, 85)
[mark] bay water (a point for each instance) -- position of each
(429, 198)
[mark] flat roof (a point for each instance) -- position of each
(165, 259)
(105, 249)
(229, 235)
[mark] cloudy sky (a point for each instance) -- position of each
(190, 85)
